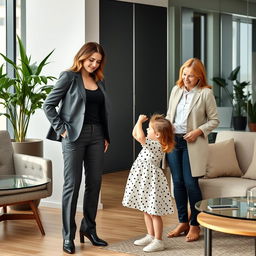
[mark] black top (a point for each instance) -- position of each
(94, 108)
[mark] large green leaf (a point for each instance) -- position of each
(234, 73)
(9, 61)
(220, 81)
(43, 63)
(23, 56)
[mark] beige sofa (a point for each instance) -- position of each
(232, 186)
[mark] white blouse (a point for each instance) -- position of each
(181, 115)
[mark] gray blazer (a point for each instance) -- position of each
(70, 91)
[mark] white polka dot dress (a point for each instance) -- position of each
(147, 189)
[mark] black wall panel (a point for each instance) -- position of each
(150, 63)
(116, 37)
(150, 60)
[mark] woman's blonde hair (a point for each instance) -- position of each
(164, 127)
(198, 70)
(84, 53)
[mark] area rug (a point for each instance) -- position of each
(222, 244)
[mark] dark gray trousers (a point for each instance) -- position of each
(88, 149)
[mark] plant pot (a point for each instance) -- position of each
(239, 123)
(252, 127)
(33, 147)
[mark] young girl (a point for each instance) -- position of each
(147, 189)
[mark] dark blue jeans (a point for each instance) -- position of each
(185, 186)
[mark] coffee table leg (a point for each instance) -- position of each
(208, 242)
(255, 246)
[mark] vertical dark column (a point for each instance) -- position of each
(197, 36)
(253, 53)
(116, 37)
(150, 60)
(10, 44)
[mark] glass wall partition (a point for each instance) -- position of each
(2, 50)
(10, 26)
(223, 35)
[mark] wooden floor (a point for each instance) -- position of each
(114, 223)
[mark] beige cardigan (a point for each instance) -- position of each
(203, 115)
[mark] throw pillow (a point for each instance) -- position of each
(222, 160)
(251, 171)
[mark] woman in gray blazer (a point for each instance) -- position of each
(193, 112)
(81, 124)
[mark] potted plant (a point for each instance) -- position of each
(238, 97)
(251, 110)
(23, 94)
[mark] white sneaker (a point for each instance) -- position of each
(145, 240)
(154, 246)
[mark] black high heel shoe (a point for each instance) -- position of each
(94, 239)
(69, 246)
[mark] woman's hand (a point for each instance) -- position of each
(192, 136)
(64, 134)
(105, 146)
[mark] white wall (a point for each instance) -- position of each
(59, 25)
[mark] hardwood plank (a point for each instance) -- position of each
(114, 223)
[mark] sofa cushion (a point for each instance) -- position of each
(251, 171)
(225, 186)
(222, 160)
(244, 144)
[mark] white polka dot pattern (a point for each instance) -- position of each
(147, 189)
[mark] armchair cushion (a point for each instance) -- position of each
(251, 171)
(35, 166)
(222, 160)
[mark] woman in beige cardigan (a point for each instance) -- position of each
(193, 112)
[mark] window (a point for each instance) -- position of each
(242, 49)
(18, 18)
(7, 25)
(2, 50)
(193, 35)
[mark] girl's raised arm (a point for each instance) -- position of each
(138, 133)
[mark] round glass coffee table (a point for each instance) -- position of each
(16, 184)
(11, 182)
(228, 215)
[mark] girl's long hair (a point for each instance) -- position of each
(84, 53)
(198, 70)
(164, 127)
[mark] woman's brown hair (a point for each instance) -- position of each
(198, 70)
(164, 127)
(84, 53)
